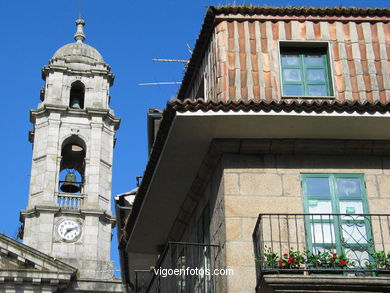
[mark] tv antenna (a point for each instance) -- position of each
(184, 61)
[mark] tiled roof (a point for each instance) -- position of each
(212, 12)
(309, 106)
(295, 10)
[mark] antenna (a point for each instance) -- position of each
(159, 83)
(171, 60)
(189, 49)
(165, 82)
(184, 61)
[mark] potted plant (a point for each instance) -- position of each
(380, 263)
(327, 261)
(291, 260)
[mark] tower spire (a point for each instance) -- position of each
(79, 36)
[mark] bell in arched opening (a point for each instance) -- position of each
(72, 166)
(75, 103)
(77, 93)
(70, 184)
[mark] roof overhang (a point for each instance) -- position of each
(188, 139)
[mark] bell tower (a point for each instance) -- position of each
(68, 215)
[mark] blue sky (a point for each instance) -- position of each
(128, 33)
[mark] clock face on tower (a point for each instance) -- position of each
(69, 230)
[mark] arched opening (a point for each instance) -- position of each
(77, 93)
(72, 167)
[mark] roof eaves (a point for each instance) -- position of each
(302, 10)
(308, 106)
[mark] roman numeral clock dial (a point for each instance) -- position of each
(69, 230)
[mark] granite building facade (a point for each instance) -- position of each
(274, 154)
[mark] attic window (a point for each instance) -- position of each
(305, 70)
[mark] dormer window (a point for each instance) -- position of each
(77, 93)
(305, 69)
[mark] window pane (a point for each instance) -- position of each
(320, 207)
(314, 60)
(328, 248)
(292, 74)
(315, 75)
(354, 232)
(292, 90)
(290, 60)
(351, 207)
(349, 187)
(322, 233)
(316, 90)
(317, 186)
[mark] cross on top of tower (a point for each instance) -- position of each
(79, 36)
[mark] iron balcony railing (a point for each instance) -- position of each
(142, 280)
(181, 268)
(353, 244)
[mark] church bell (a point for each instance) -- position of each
(70, 185)
(75, 103)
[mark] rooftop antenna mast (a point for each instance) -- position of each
(184, 61)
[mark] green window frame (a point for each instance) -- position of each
(341, 196)
(305, 72)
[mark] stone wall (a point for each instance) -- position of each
(271, 183)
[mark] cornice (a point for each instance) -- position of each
(103, 215)
(106, 114)
(88, 72)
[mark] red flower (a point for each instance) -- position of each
(343, 262)
(289, 261)
(279, 261)
(290, 258)
(331, 260)
(286, 254)
(281, 266)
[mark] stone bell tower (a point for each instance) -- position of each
(68, 215)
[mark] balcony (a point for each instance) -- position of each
(176, 269)
(331, 246)
(70, 201)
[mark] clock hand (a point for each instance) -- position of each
(69, 230)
